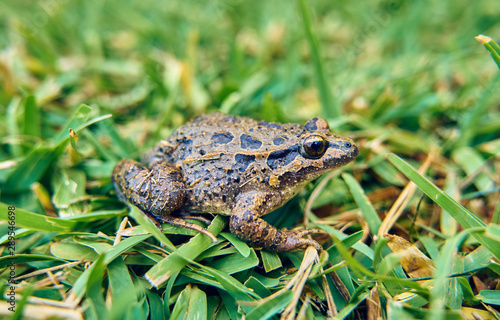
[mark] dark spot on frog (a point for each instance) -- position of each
(187, 141)
(278, 141)
(230, 172)
(243, 161)
(311, 124)
(275, 126)
(231, 119)
(264, 232)
(224, 197)
(281, 158)
(222, 138)
(270, 125)
(248, 142)
(203, 152)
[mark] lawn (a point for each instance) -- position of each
(411, 226)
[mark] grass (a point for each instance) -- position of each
(412, 224)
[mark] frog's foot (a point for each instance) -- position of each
(180, 222)
(291, 240)
(247, 225)
(153, 219)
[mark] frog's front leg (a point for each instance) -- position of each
(157, 191)
(247, 225)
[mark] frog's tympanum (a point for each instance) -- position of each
(235, 166)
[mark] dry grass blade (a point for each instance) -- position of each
(42, 271)
(122, 227)
(332, 308)
(43, 312)
(414, 262)
(374, 309)
(316, 193)
(302, 274)
(309, 258)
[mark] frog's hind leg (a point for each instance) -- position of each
(180, 222)
(247, 225)
(157, 191)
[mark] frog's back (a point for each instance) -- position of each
(220, 155)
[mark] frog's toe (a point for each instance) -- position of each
(295, 241)
(180, 222)
(306, 232)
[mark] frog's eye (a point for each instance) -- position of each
(313, 146)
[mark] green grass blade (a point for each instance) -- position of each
(121, 287)
(33, 221)
(491, 46)
(466, 219)
(80, 287)
(31, 169)
(470, 160)
(489, 297)
(25, 258)
(331, 107)
(172, 264)
(237, 290)
(270, 260)
(471, 120)
(73, 251)
(257, 286)
(236, 262)
(13, 128)
(197, 308)
(363, 203)
(123, 246)
(346, 311)
(93, 288)
(78, 118)
(271, 307)
(443, 272)
(32, 125)
(241, 246)
(150, 227)
(181, 305)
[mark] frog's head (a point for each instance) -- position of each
(316, 151)
(323, 151)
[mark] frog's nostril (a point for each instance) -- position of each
(355, 151)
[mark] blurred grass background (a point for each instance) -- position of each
(396, 76)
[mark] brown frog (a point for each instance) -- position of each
(235, 166)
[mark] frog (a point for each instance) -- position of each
(235, 166)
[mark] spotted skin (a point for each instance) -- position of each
(235, 166)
